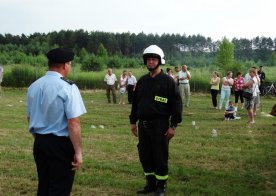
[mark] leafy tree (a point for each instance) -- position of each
(102, 52)
(93, 63)
(83, 55)
(225, 55)
(272, 60)
(115, 62)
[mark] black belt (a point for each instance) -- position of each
(50, 135)
(148, 123)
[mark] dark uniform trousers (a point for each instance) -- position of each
(53, 156)
(153, 146)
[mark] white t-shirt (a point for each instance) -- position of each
(256, 84)
(182, 74)
(123, 81)
(1, 73)
(230, 82)
(131, 80)
(110, 80)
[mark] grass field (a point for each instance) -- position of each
(239, 161)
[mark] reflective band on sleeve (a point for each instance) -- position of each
(147, 174)
(161, 177)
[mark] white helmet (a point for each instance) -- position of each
(155, 52)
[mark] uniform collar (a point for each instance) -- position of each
(53, 73)
(157, 76)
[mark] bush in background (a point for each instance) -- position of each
(24, 75)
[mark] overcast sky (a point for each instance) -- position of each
(210, 18)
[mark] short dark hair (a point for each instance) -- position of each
(239, 73)
(54, 64)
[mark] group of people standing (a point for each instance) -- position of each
(54, 107)
(182, 78)
(127, 83)
(252, 83)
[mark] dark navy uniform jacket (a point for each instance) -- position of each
(155, 98)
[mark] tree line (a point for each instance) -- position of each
(195, 50)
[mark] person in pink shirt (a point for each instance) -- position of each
(238, 83)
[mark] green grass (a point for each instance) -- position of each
(240, 161)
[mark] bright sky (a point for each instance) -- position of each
(210, 18)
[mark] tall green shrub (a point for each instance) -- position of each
(115, 62)
(93, 63)
(22, 76)
(225, 55)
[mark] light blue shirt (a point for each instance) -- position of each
(51, 101)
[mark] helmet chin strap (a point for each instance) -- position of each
(152, 69)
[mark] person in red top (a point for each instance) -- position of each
(238, 83)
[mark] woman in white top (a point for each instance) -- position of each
(227, 83)
(1, 75)
(122, 89)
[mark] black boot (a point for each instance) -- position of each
(160, 187)
(150, 186)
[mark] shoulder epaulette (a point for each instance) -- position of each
(68, 81)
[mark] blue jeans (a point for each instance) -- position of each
(224, 94)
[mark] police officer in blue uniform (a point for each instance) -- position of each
(54, 106)
(158, 107)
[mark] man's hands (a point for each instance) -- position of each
(133, 128)
(75, 137)
(77, 161)
(170, 133)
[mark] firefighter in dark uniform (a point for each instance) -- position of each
(158, 107)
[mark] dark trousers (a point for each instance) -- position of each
(214, 94)
(113, 91)
(261, 87)
(153, 146)
(130, 93)
(53, 156)
(230, 116)
(238, 94)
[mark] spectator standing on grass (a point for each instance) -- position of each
(256, 89)
(1, 75)
(261, 75)
(227, 83)
(131, 83)
(249, 87)
(176, 77)
(238, 83)
(184, 86)
(214, 82)
(54, 106)
(158, 107)
(110, 80)
(256, 93)
(122, 87)
(169, 72)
